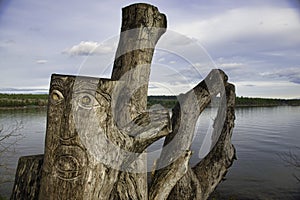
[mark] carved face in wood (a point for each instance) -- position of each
(79, 114)
(83, 128)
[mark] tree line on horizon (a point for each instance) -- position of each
(27, 100)
(23, 100)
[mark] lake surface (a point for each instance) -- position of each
(262, 136)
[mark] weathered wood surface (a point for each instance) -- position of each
(27, 179)
(69, 170)
(184, 118)
(85, 150)
(142, 26)
(98, 129)
(201, 180)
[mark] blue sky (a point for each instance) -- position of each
(256, 43)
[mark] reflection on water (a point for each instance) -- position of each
(260, 136)
(30, 141)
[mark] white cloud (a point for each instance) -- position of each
(166, 88)
(161, 59)
(252, 37)
(274, 53)
(245, 22)
(89, 48)
(41, 61)
(231, 65)
(270, 89)
(197, 64)
(290, 74)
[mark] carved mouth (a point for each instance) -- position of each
(70, 162)
(68, 167)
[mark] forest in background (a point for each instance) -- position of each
(23, 100)
(41, 100)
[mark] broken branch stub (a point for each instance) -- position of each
(142, 26)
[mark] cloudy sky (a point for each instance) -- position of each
(257, 43)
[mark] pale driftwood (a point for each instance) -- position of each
(98, 129)
(166, 179)
(184, 118)
(186, 113)
(201, 180)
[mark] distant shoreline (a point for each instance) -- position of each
(23, 101)
(24, 108)
(35, 101)
(169, 101)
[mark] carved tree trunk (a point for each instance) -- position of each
(142, 26)
(98, 130)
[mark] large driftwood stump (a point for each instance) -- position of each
(98, 130)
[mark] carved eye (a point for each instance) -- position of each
(87, 101)
(56, 96)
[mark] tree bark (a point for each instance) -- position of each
(27, 180)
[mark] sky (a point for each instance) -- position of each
(256, 43)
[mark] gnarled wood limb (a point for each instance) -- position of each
(184, 118)
(210, 171)
(166, 179)
(186, 113)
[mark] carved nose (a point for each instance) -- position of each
(67, 131)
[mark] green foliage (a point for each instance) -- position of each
(21, 100)
(169, 101)
(166, 101)
(247, 101)
(2, 198)
(24, 96)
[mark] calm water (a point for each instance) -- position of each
(261, 136)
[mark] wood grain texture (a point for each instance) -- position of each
(142, 26)
(27, 179)
(202, 179)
